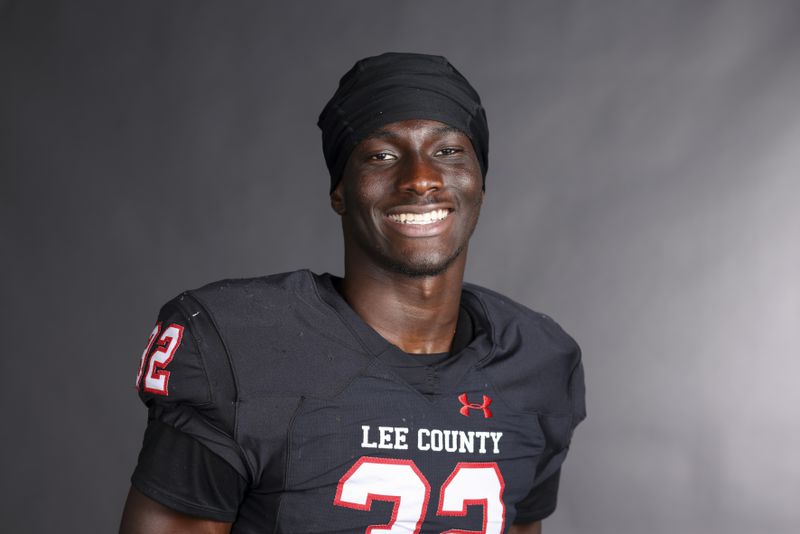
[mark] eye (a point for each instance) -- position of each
(382, 156)
(447, 151)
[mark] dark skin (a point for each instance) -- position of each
(409, 199)
(144, 515)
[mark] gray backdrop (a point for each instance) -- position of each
(642, 190)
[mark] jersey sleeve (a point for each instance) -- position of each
(175, 470)
(540, 502)
(190, 456)
(558, 426)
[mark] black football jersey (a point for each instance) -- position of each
(279, 378)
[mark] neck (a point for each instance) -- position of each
(416, 314)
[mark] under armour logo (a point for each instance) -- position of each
(467, 406)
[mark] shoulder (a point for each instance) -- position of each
(204, 325)
(275, 328)
(246, 292)
(188, 371)
(266, 300)
(174, 350)
(187, 381)
(187, 360)
(509, 319)
(536, 361)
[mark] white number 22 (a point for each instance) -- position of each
(401, 482)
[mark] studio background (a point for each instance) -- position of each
(642, 189)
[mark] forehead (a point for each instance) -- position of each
(420, 129)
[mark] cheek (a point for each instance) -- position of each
(467, 177)
(471, 189)
(367, 193)
(473, 201)
(362, 201)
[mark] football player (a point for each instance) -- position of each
(396, 398)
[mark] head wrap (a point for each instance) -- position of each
(395, 87)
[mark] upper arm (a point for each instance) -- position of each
(143, 515)
(526, 528)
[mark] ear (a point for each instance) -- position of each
(337, 199)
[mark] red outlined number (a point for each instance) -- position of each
(384, 479)
(401, 482)
(146, 352)
(156, 379)
(474, 484)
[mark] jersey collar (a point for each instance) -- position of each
(479, 349)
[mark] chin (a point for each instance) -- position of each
(425, 266)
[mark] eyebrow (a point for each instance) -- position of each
(386, 134)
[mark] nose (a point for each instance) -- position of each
(419, 176)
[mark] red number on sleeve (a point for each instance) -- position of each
(156, 380)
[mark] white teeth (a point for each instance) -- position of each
(419, 218)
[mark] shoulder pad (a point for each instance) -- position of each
(277, 328)
(538, 361)
(185, 364)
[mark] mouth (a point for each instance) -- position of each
(421, 218)
(419, 221)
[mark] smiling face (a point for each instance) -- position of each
(410, 197)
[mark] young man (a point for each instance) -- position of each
(394, 399)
